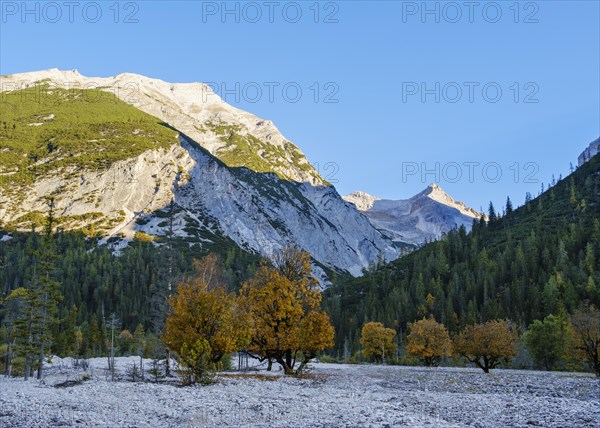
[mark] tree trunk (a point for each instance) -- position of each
(595, 360)
(301, 367)
(289, 360)
(40, 361)
(168, 364)
(29, 346)
(477, 362)
(269, 365)
(304, 362)
(26, 374)
(487, 365)
(141, 367)
(42, 332)
(286, 368)
(8, 358)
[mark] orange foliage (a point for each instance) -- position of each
(377, 341)
(428, 340)
(488, 344)
(283, 302)
(204, 325)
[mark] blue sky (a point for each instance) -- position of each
(373, 58)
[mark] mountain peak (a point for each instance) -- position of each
(435, 192)
(434, 189)
(362, 200)
(236, 137)
(592, 150)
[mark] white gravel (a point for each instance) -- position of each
(332, 396)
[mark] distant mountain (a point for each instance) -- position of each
(424, 217)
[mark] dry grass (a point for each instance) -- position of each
(256, 376)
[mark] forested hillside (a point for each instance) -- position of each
(523, 265)
(96, 283)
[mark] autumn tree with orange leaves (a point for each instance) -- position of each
(204, 325)
(428, 340)
(487, 345)
(377, 341)
(282, 302)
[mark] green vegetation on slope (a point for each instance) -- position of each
(245, 150)
(44, 129)
(538, 260)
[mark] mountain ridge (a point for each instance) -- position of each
(230, 173)
(129, 194)
(426, 216)
(235, 136)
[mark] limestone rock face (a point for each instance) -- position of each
(232, 177)
(592, 150)
(424, 217)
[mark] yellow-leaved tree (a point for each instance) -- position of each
(586, 324)
(377, 341)
(428, 340)
(282, 302)
(487, 345)
(204, 325)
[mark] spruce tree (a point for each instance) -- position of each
(492, 213)
(42, 297)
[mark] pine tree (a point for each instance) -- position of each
(509, 206)
(13, 308)
(113, 323)
(492, 216)
(42, 298)
(93, 338)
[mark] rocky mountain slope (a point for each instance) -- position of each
(115, 170)
(424, 217)
(236, 137)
